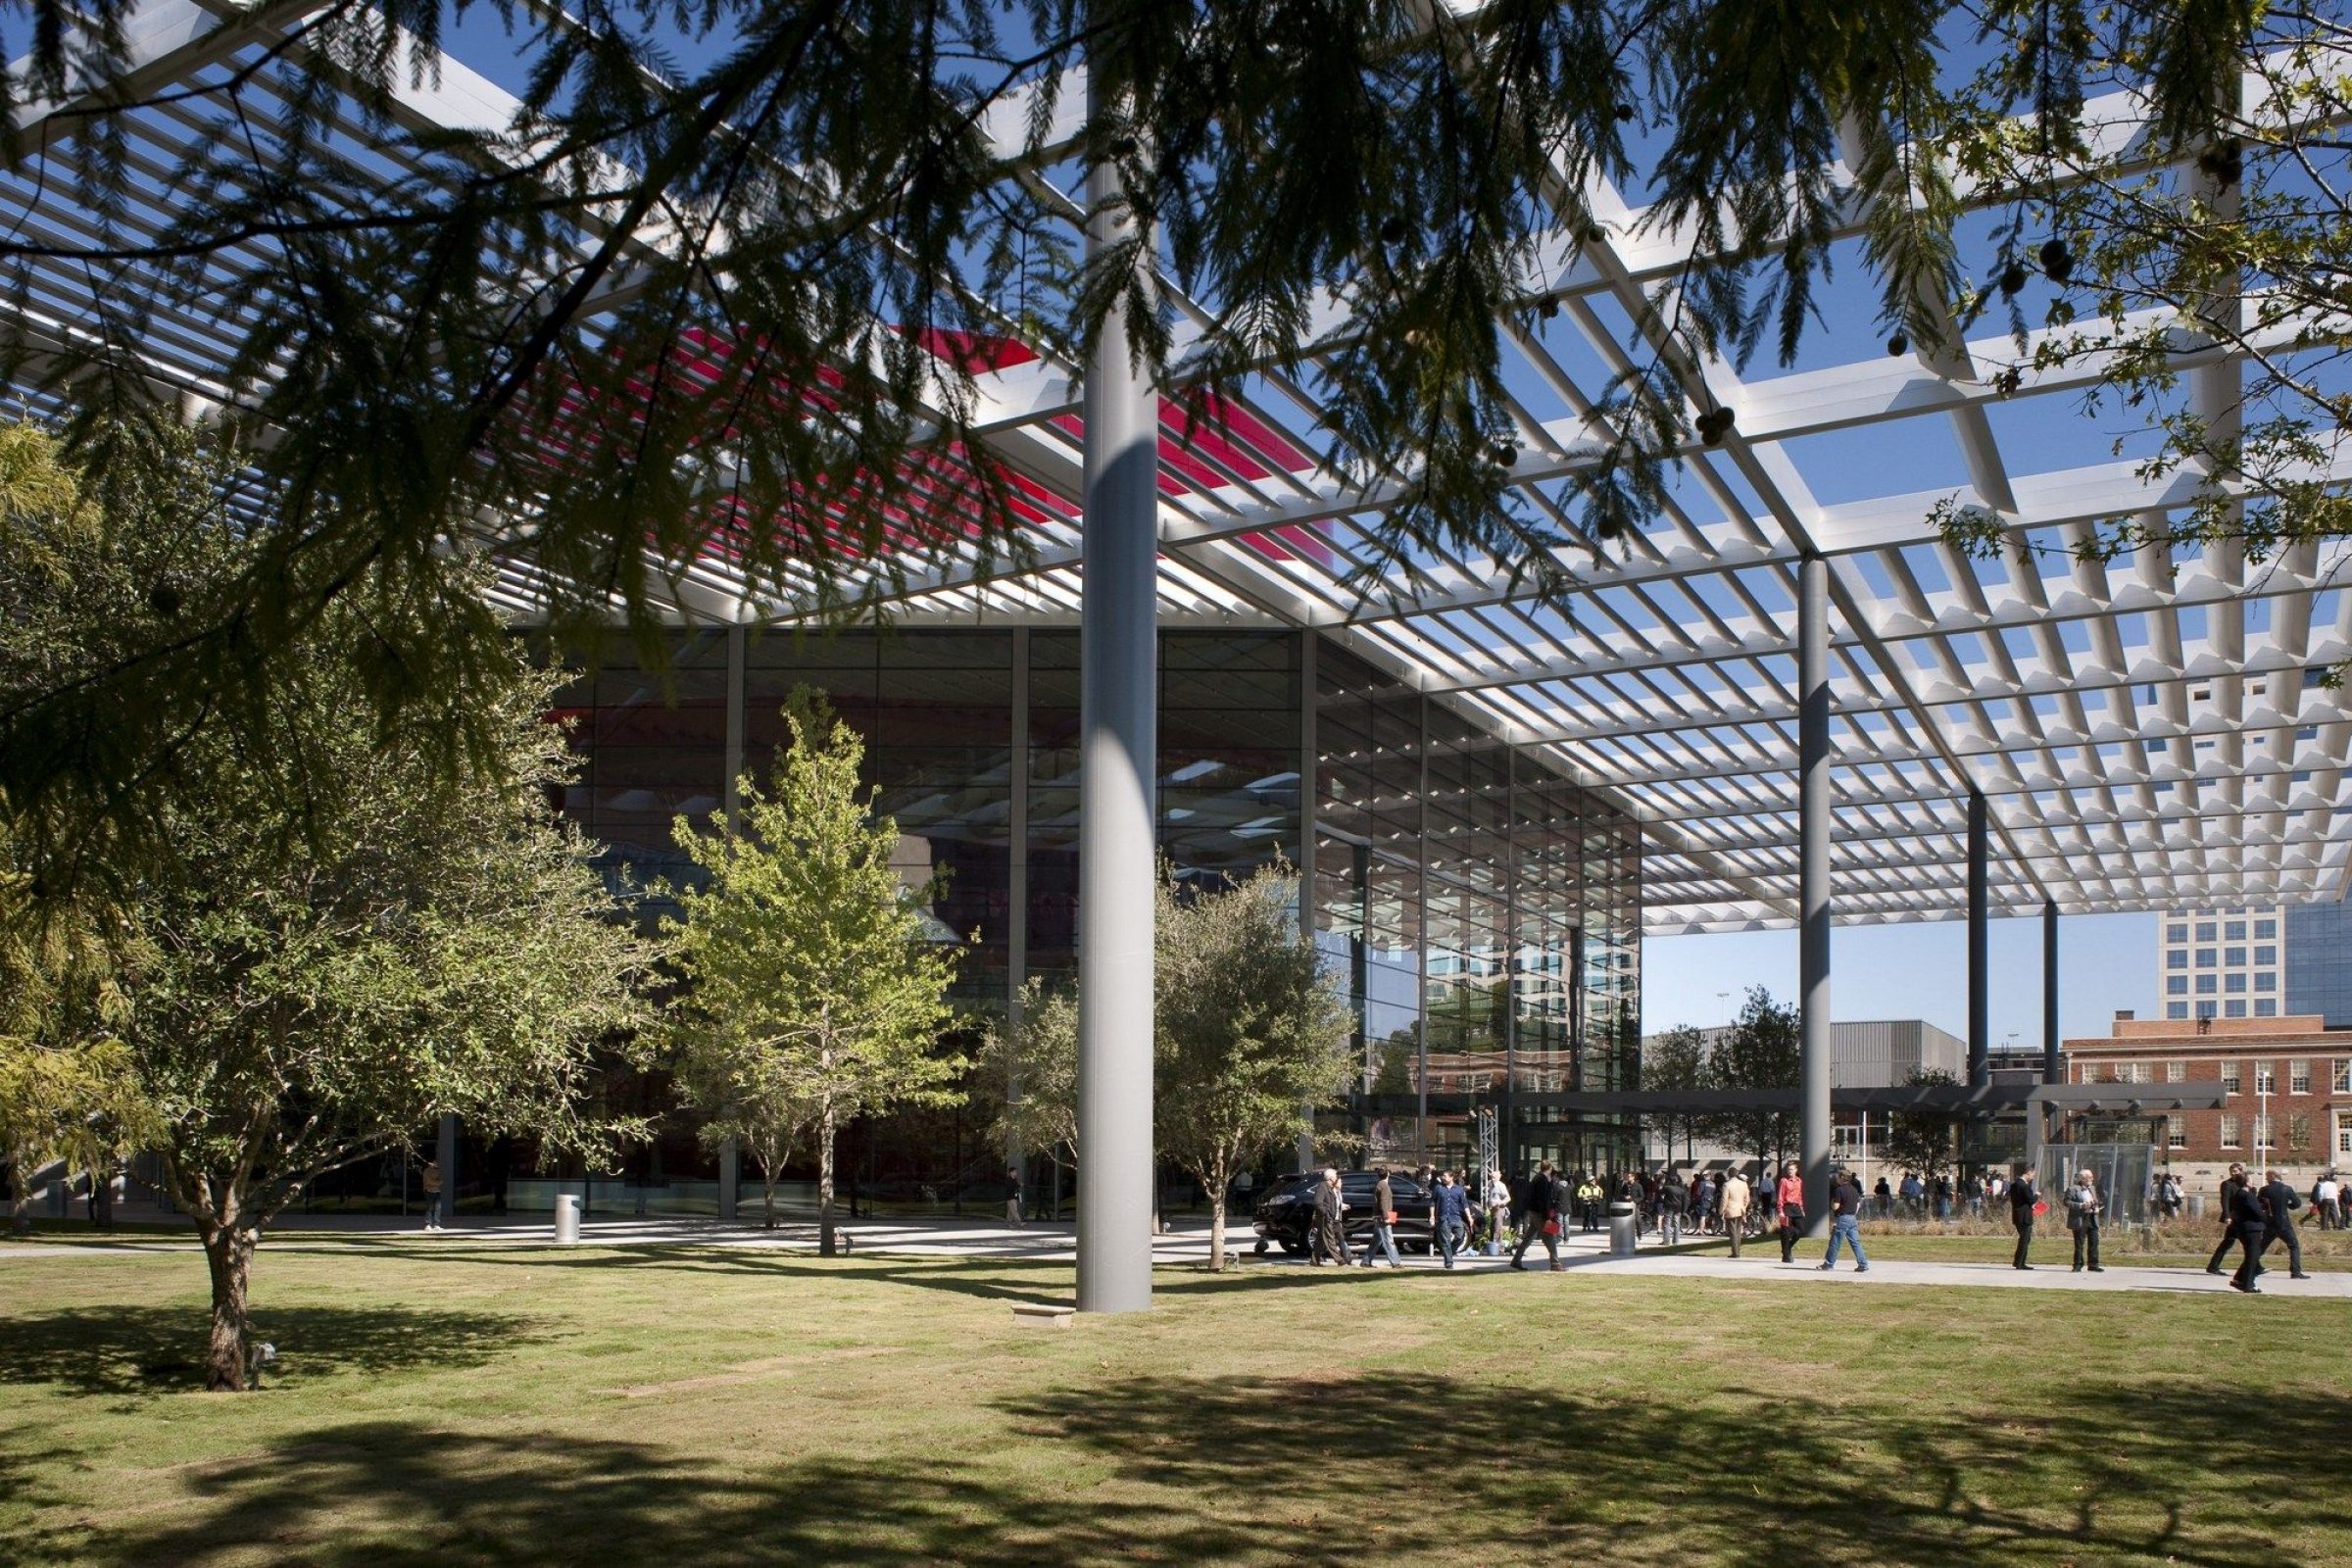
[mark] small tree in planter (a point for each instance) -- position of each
(805, 955)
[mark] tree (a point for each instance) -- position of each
(1028, 1073)
(76, 1103)
(1672, 1062)
(1922, 1140)
(1760, 1051)
(2224, 228)
(1251, 1030)
(810, 227)
(338, 938)
(804, 953)
(746, 1090)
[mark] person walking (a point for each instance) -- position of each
(1540, 1217)
(2249, 1222)
(2279, 1206)
(2083, 1208)
(1673, 1200)
(1788, 1204)
(2231, 1188)
(2328, 1198)
(432, 1195)
(1331, 1229)
(1453, 1216)
(1012, 1200)
(1383, 1220)
(1735, 1203)
(1845, 1222)
(2023, 1202)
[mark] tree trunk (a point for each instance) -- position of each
(824, 1183)
(1216, 1231)
(228, 1252)
(767, 1196)
(20, 1194)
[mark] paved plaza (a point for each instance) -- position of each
(1188, 1242)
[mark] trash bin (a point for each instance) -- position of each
(2196, 1205)
(567, 1220)
(1623, 1227)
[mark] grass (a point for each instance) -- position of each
(686, 1405)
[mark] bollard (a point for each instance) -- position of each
(1623, 1228)
(567, 1220)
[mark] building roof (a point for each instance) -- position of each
(2150, 732)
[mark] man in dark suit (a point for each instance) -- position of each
(2231, 1190)
(2022, 1199)
(2250, 1221)
(1539, 1201)
(2278, 1205)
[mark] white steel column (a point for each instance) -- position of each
(1118, 743)
(1813, 882)
(1016, 900)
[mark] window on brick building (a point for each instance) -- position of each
(2298, 1077)
(2230, 1078)
(2228, 1131)
(2176, 1072)
(2298, 1134)
(2341, 1077)
(2266, 1080)
(2176, 1133)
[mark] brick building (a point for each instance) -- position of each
(2288, 1082)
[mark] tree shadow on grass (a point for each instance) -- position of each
(119, 1349)
(1325, 1467)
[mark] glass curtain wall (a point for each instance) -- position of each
(1492, 965)
(1483, 911)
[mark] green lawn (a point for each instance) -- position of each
(678, 1406)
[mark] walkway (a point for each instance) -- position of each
(1049, 1244)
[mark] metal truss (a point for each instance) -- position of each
(2152, 732)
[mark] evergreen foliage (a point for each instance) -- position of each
(729, 281)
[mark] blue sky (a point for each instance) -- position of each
(2105, 961)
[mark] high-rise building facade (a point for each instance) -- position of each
(2223, 963)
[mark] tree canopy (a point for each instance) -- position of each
(812, 984)
(729, 279)
(337, 938)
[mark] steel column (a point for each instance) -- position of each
(1813, 881)
(1979, 979)
(2051, 1073)
(1117, 746)
(1016, 886)
(1309, 779)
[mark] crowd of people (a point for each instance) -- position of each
(1469, 1210)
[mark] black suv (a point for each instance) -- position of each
(1286, 1215)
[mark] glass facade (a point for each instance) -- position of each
(2319, 962)
(1483, 911)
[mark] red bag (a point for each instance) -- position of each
(1551, 1227)
(2041, 1209)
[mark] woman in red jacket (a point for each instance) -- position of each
(1789, 1198)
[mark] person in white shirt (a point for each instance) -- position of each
(2328, 1199)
